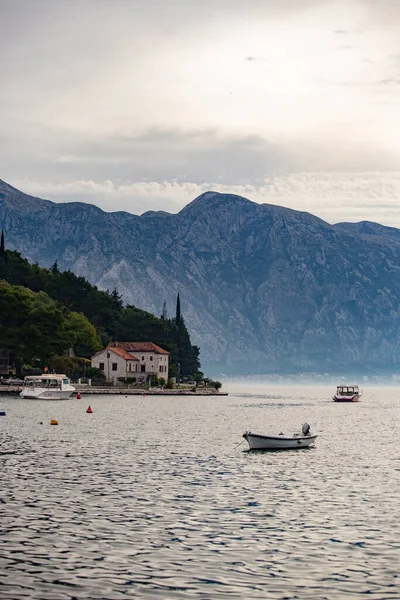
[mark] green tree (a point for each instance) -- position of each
(82, 335)
(31, 324)
(188, 355)
(178, 312)
(198, 377)
(34, 328)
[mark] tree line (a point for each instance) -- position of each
(46, 312)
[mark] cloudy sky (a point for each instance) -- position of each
(143, 104)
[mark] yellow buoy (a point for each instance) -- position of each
(53, 422)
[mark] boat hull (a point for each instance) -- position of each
(46, 394)
(281, 442)
(354, 398)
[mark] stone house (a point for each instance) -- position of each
(136, 360)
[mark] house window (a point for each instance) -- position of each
(161, 369)
(101, 366)
(142, 357)
(143, 368)
(114, 366)
(151, 358)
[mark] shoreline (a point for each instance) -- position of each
(86, 391)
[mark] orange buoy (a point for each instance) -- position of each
(89, 409)
(78, 396)
(53, 422)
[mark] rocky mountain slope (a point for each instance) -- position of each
(263, 288)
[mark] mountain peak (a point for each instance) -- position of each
(25, 203)
(212, 199)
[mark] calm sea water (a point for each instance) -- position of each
(149, 498)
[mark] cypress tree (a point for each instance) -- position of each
(2, 246)
(164, 314)
(178, 312)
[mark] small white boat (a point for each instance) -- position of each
(47, 387)
(347, 393)
(281, 442)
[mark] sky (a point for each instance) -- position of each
(143, 105)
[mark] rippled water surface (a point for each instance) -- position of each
(149, 498)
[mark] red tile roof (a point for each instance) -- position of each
(138, 347)
(121, 352)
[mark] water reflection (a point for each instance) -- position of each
(148, 498)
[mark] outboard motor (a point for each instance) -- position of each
(305, 429)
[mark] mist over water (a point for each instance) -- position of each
(151, 497)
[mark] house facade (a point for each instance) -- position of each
(134, 360)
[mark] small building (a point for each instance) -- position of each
(134, 360)
(7, 366)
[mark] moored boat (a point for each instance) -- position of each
(47, 387)
(347, 393)
(296, 441)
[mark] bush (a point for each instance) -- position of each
(127, 380)
(170, 384)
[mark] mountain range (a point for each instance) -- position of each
(264, 289)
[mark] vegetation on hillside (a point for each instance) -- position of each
(34, 328)
(46, 312)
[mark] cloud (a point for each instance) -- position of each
(200, 155)
(333, 197)
(151, 102)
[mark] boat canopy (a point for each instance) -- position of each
(347, 389)
(46, 380)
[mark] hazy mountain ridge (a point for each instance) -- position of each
(264, 288)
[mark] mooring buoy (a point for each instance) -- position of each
(89, 409)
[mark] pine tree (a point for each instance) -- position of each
(54, 268)
(178, 312)
(117, 299)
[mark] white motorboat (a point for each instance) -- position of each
(347, 393)
(304, 439)
(47, 387)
